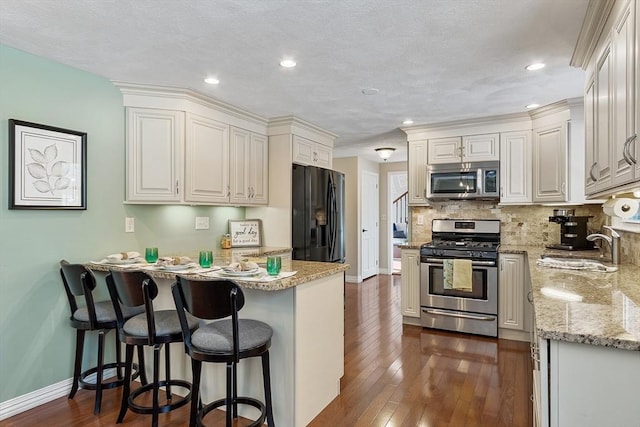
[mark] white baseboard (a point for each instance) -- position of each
(353, 279)
(23, 403)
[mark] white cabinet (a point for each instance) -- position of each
(550, 146)
(589, 137)
(471, 148)
(206, 160)
(248, 168)
(512, 303)
(603, 120)
(155, 142)
(515, 167)
(417, 172)
(312, 153)
(410, 287)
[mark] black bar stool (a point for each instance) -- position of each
(97, 316)
(222, 341)
(151, 328)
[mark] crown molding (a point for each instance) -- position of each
(594, 22)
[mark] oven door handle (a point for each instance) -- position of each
(439, 261)
(460, 315)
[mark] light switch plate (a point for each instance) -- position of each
(420, 219)
(129, 225)
(202, 223)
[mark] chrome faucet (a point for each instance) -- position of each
(613, 241)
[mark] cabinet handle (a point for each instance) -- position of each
(563, 189)
(177, 187)
(502, 265)
(228, 191)
(593, 177)
(315, 156)
(530, 296)
(625, 150)
(628, 147)
(501, 191)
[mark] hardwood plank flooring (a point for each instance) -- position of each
(395, 376)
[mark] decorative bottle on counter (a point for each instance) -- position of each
(225, 242)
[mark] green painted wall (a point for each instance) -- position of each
(36, 342)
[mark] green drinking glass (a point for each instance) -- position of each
(151, 255)
(274, 264)
(206, 259)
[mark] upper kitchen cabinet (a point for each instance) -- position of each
(185, 148)
(307, 152)
(417, 172)
(155, 142)
(515, 167)
(606, 49)
(550, 148)
(471, 148)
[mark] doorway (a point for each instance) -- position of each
(399, 217)
(369, 214)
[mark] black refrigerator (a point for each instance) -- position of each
(318, 214)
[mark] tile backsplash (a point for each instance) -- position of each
(520, 225)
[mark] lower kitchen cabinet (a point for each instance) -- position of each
(410, 286)
(587, 385)
(514, 308)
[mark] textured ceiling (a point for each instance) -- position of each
(432, 60)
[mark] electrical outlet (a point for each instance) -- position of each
(129, 225)
(202, 223)
(383, 217)
(420, 220)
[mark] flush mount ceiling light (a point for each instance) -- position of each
(385, 152)
(408, 122)
(211, 81)
(531, 106)
(288, 63)
(535, 66)
(370, 91)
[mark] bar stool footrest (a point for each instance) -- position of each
(174, 403)
(239, 400)
(108, 384)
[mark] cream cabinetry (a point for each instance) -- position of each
(550, 146)
(471, 148)
(155, 142)
(512, 293)
(312, 153)
(249, 166)
(410, 286)
(612, 66)
(417, 172)
(515, 167)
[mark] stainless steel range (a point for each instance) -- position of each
(444, 305)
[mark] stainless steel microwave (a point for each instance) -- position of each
(479, 180)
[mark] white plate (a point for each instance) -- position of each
(246, 273)
(178, 267)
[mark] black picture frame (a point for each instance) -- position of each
(47, 167)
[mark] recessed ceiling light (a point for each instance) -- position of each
(535, 66)
(288, 63)
(211, 81)
(530, 106)
(408, 122)
(370, 91)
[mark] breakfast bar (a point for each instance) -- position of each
(306, 312)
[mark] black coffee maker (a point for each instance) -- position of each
(573, 230)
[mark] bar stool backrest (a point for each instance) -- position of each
(79, 282)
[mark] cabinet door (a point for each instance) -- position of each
(445, 150)
(481, 148)
(604, 119)
(550, 163)
(623, 54)
(410, 287)
(240, 147)
(206, 160)
(155, 140)
(511, 294)
(258, 169)
(417, 172)
(589, 138)
(303, 150)
(322, 156)
(515, 167)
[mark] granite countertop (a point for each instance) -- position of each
(306, 270)
(411, 245)
(606, 310)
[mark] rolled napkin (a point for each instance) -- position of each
(174, 260)
(123, 256)
(241, 266)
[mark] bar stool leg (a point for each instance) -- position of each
(126, 387)
(235, 390)
(196, 367)
(98, 402)
(167, 370)
(141, 365)
(156, 387)
(266, 375)
(77, 367)
(118, 357)
(229, 392)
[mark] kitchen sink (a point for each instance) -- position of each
(571, 263)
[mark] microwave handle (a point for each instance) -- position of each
(479, 181)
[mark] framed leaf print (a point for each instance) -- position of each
(47, 167)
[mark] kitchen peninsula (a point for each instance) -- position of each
(306, 312)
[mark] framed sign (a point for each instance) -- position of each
(245, 232)
(47, 167)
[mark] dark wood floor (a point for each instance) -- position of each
(395, 376)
